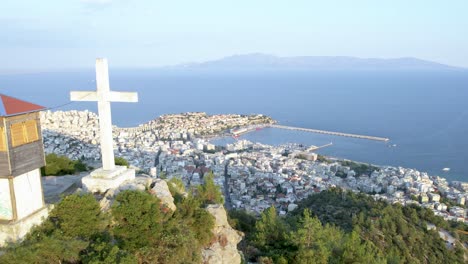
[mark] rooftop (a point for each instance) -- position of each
(10, 106)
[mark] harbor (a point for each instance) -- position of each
(330, 133)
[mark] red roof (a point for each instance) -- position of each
(11, 106)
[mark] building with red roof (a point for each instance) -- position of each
(10, 106)
(21, 157)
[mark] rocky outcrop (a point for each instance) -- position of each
(224, 249)
(161, 190)
(140, 183)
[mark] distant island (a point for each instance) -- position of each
(259, 61)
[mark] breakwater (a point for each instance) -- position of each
(330, 133)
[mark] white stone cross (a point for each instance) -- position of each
(104, 96)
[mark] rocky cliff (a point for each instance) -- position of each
(224, 249)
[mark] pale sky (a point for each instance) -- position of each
(67, 34)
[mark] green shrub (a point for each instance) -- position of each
(121, 161)
(103, 251)
(77, 232)
(48, 250)
(77, 216)
(58, 165)
(80, 166)
(242, 220)
(61, 165)
(209, 192)
(202, 224)
(137, 219)
(177, 189)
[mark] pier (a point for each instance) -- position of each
(148, 127)
(331, 133)
(314, 148)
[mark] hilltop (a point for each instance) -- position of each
(259, 61)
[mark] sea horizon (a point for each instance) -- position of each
(422, 112)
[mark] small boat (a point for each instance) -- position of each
(446, 169)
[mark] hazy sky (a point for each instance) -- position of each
(54, 34)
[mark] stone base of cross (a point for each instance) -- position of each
(101, 180)
(109, 176)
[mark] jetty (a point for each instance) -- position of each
(330, 133)
(314, 148)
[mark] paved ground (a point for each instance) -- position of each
(55, 186)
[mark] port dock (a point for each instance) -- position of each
(330, 133)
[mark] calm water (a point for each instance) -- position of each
(424, 114)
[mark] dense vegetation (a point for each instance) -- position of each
(209, 191)
(344, 227)
(359, 168)
(121, 161)
(137, 229)
(331, 227)
(61, 165)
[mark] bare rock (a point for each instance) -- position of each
(224, 249)
(106, 201)
(161, 190)
(143, 181)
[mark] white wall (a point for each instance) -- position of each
(6, 212)
(28, 193)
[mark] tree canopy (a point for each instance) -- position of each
(136, 230)
(343, 227)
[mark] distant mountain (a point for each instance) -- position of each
(264, 61)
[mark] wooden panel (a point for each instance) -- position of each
(24, 132)
(4, 166)
(41, 140)
(26, 158)
(2, 139)
(23, 117)
(17, 134)
(30, 128)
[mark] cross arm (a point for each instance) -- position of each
(83, 96)
(123, 97)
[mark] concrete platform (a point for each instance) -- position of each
(55, 186)
(102, 180)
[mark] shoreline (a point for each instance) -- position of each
(260, 175)
(224, 134)
(341, 158)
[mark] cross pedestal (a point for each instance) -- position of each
(102, 180)
(109, 176)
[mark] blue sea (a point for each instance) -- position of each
(425, 114)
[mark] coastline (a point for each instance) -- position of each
(255, 176)
(223, 134)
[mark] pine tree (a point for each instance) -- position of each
(137, 219)
(310, 240)
(270, 231)
(209, 192)
(357, 251)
